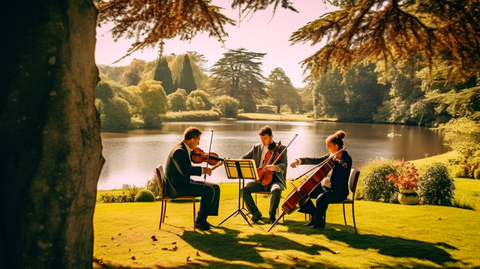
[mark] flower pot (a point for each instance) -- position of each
(408, 197)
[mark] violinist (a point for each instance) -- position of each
(178, 183)
(277, 185)
(337, 188)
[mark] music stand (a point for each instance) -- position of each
(240, 169)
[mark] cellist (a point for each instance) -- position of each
(334, 187)
(277, 185)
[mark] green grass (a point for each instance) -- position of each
(389, 236)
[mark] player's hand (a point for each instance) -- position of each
(295, 163)
(207, 170)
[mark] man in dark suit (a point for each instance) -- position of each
(178, 183)
(277, 185)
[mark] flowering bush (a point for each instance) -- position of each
(405, 176)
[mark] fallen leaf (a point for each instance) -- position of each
(275, 257)
(188, 259)
(118, 245)
(164, 248)
(100, 261)
(272, 234)
(154, 238)
(103, 246)
(198, 254)
(119, 234)
(112, 238)
(173, 243)
(294, 258)
(129, 249)
(174, 248)
(133, 257)
(439, 218)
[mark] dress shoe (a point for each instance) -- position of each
(272, 219)
(256, 216)
(311, 222)
(202, 225)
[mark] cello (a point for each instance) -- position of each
(299, 195)
(265, 176)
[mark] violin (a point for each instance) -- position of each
(273, 155)
(265, 176)
(199, 156)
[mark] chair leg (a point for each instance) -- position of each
(194, 226)
(161, 216)
(164, 211)
(353, 214)
(344, 218)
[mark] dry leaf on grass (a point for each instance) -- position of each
(154, 238)
(198, 254)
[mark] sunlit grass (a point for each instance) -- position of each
(389, 235)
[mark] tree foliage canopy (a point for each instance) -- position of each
(439, 30)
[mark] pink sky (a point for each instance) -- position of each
(259, 33)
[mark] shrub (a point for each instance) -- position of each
(144, 196)
(476, 173)
(152, 185)
(228, 106)
(436, 187)
(375, 183)
(206, 115)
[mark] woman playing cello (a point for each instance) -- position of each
(338, 189)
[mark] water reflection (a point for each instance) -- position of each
(131, 157)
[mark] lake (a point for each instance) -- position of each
(131, 157)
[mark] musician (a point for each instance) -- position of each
(178, 183)
(338, 189)
(277, 185)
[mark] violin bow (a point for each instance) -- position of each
(280, 155)
(208, 158)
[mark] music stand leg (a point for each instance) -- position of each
(239, 210)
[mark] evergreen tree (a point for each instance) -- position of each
(187, 81)
(163, 74)
(281, 91)
(238, 74)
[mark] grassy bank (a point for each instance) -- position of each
(277, 117)
(389, 235)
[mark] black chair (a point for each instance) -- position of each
(352, 184)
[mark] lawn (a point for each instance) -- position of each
(389, 236)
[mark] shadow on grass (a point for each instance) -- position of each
(386, 245)
(228, 246)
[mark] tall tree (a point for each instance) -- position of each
(187, 81)
(133, 73)
(281, 91)
(163, 74)
(238, 74)
(52, 161)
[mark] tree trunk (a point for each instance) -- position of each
(50, 134)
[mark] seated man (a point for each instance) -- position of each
(178, 183)
(277, 185)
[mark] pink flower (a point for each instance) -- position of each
(405, 176)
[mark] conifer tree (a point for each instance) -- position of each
(187, 81)
(164, 74)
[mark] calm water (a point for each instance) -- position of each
(131, 157)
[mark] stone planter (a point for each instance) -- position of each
(408, 197)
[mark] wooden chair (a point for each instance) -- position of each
(161, 178)
(352, 185)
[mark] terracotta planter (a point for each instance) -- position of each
(408, 197)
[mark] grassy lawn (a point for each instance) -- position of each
(389, 236)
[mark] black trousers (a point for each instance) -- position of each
(324, 197)
(209, 193)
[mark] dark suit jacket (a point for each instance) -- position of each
(256, 154)
(179, 169)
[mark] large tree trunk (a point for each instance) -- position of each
(50, 134)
